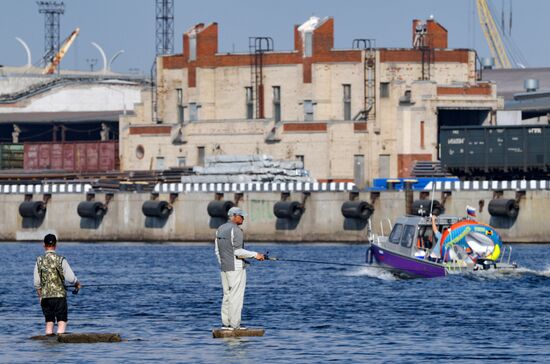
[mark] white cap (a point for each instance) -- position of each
(236, 211)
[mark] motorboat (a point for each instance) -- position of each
(411, 250)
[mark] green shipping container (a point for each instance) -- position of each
(11, 156)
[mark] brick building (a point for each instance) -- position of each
(351, 115)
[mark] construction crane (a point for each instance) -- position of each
(501, 45)
(496, 46)
(56, 59)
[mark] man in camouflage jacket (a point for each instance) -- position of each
(51, 272)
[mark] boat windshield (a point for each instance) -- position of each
(395, 235)
(408, 236)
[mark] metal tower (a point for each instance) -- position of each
(51, 10)
(165, 27)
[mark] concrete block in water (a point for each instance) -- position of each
(81, 338)
(220, 333)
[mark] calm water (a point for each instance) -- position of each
(312, 313)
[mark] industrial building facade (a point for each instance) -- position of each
(62, 123)
(350, 115)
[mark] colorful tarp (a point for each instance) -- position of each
(481, 240)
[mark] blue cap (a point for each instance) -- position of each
(236, 211)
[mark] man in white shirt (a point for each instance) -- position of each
(231, 256)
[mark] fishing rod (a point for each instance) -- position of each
(267, 257)
(76, 290)
(113, 285)
(314, 262)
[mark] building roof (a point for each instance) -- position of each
(58, 117)
(510, 86)
(510, 81)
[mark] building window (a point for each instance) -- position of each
(180, 114)
(277, 103)
(193, 111)
(384, 89)
(192, 47)
(249, 93)
(384, 166)
(359, 169)
(347, 102)
(140, 152)
(160, 164)
(300, 157)
(200, 156)
(308, 44)
(308, 110)
(179, 97)
(182, 162)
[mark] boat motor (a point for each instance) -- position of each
(486, 263)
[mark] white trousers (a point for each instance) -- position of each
(233, 284)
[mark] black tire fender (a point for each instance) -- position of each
(288, 210)
(156, 208)
(32, 209)
(219, 208)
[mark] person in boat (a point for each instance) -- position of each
(435, 253)
(425, 239)
(51, 272)
(229, 248)
(473, 256)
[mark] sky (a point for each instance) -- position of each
(129, 25)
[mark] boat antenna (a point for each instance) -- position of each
(433, 193)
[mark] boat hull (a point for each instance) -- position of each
(404, 265)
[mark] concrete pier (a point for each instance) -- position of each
(322, 220)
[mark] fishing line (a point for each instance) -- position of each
(76, 290)
(320, 262)
(113, 285)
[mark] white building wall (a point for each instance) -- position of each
(80, 98)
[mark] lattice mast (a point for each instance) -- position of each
(164, 27)
(52, 11)
(164, 44)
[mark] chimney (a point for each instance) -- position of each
(429, 34)
(437, 34)
(200, 41)
(314, 36)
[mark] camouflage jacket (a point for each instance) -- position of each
(50, 272)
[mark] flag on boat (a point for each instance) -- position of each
(470, 211)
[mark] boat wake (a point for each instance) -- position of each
(373, 272)
(540, 273)
(511, 273)
(382, 274)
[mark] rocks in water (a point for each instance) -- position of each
(74, 338)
